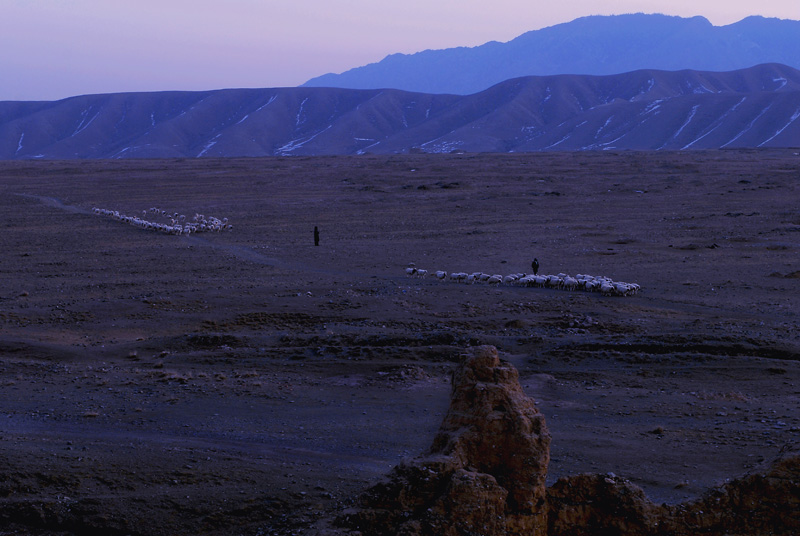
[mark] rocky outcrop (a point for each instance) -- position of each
(591, 504)
(485, 475)
(765, 502)
(485, 472)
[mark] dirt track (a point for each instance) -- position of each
(249, 381)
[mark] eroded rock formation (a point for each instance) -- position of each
(485, 472)
(485, 475)
(765, 502)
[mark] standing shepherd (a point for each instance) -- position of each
(316, 236)
(535, 266)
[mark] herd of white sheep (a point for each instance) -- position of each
(588, 283)
(179, 226)
(177, 222)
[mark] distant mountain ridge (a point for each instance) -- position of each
(597, 45)
(639, 110)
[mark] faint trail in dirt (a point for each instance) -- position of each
(247, 254)
(56, 203)
(241, 252)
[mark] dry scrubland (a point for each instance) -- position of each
(249, 382)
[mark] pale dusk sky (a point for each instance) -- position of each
(53, 49)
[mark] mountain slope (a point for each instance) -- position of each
(598, 45)
(646, 110)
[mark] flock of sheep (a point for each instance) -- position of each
(179, 226)
(177, 222)
(588, 283)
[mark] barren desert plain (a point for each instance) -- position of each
(250, 382)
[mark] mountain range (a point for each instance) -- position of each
(641, 110)
(598, 45)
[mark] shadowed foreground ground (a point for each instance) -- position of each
(250, 382)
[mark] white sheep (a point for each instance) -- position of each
(173, 227)
(539, 281)
(570, 283)
(459, 276)
(526, 281)
(589, 283)
(554, 281)
(607, 289)
(626, 289)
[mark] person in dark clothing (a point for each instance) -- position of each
(316, 236)
(535, 266)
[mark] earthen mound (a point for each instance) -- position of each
(765, 502)
(485, 472)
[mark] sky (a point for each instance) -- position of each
(53, 49)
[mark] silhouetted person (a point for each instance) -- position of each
(316, 236)
(535, 266)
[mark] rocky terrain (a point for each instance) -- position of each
(249, 382)
(485, 474)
